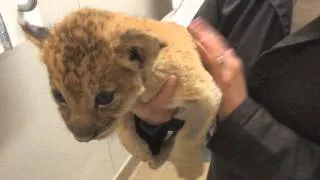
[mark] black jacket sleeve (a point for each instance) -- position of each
(259, 147)
(251, 140)
(211, 12)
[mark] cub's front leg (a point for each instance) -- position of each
(131, 141)
(136, 146)
(190, 140)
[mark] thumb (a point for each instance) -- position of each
(164, 96)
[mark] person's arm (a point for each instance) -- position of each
(258, 146)
(249, 138)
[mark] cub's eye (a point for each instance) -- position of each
(135, 54)
(104, 98)
(58, 97)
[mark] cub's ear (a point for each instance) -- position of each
(33, 33)
(140, 47)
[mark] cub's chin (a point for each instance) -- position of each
(107, 132)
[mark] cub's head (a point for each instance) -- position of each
(95, 76)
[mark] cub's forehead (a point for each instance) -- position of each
(81, 46)
(86, 26)
(79, 38)
(77, 45)
(76, 58)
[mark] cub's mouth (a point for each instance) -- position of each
(92, 132)
(107, 131)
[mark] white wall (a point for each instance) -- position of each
(9, 15)
(184, 13)
(52, 11)
(143, 8)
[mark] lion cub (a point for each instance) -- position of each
(101, 62)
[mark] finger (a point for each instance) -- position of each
(166, 91)
(206, 60)
(164, 96)
(160, 119)
(223, 74)
(233, 65)
(210, 39)
(140, 109)
(212, 69)
(206, 34)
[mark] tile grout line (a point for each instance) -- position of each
(161, 171)
(111, 158)
(135, 172)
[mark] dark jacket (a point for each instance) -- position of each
(275, 133)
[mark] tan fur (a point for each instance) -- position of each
(87, 52)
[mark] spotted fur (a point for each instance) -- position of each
(92, 52)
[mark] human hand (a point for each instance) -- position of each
(222, 63)
(155, 111)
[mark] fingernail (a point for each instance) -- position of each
(173, 80)
(230, 52)
(173, 77)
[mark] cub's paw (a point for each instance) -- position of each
(190, 171)
(189, 166)
(155, 163)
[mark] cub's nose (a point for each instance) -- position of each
(84, 133)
